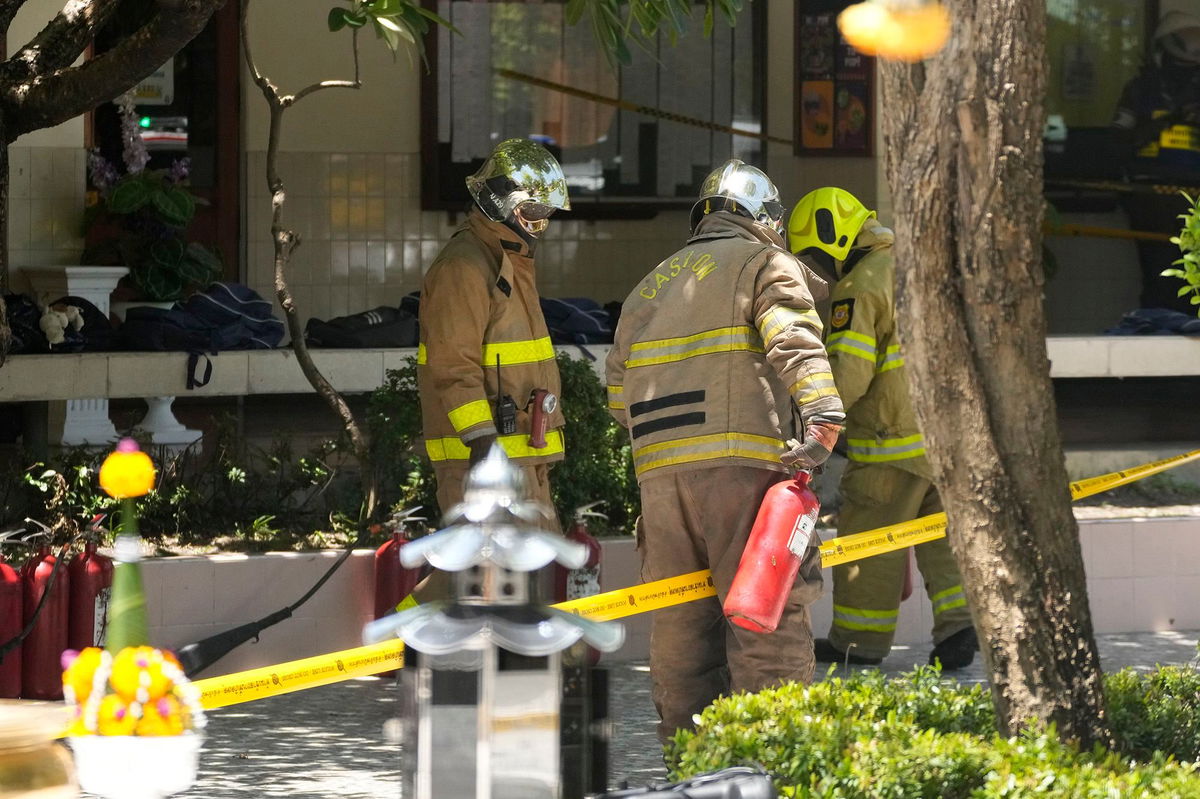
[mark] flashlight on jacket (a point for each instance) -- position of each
(541, 404)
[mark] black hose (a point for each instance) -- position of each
(203, 653)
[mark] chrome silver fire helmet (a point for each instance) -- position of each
(522, 179)
(743, 189)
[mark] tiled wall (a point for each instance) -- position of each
(1098, 279)
(366, 241)
(45, 207)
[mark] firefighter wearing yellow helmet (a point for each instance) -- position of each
(888, 479)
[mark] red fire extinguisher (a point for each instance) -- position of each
(12, 621)
(91, 586)
(41, 670)
(780, 536)
(393, 582)
(584, 581)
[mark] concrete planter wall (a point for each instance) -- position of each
(1143, 575)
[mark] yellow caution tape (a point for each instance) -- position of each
(296, 675)
(642, 598)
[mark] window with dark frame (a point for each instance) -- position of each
(618, 162)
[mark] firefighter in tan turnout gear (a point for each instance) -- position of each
(485, 366)
(715, 352)
(888, 480)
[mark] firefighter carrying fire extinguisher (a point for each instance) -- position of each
(486, 369)
(888, 479)
(715, 350)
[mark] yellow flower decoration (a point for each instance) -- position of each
(896, 30)
(128, 472)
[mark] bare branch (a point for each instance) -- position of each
(292, 99)
(8, 10)
(63, 39)
(44, 101)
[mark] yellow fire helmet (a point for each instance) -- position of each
(828, 219)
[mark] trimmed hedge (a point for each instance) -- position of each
(873, 737)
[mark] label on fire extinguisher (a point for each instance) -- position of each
(583, 582)
(100, 620)
(802, 532)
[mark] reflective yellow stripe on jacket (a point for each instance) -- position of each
(778, 318)
(471, 414)
(814, 386)
(851, 343)
(953, 597)
(703, 448)
(890, 359)
(509, 352)
(670, 350)
(451, 448)
(882, 450)
(616, 397)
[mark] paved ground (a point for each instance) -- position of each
(329, 742)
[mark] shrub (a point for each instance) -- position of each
(917, 736)
(598, 467)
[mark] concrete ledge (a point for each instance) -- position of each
(1143, 576)
(143, 374)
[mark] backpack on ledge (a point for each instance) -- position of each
(225, 316)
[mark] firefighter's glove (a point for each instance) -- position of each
(480, 447)
(819, 439)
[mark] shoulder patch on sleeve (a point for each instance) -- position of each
(841, 313)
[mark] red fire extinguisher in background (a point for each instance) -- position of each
(584, 581)
(393, 582)
(12, 621)
(780, 537)
(41, 651)
(91, 586)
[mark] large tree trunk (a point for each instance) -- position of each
(962, 136)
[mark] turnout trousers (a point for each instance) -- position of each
(701, 519)
(866, 593)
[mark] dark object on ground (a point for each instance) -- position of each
(1156, 322)
(379, 327)
(583, 737)
(957, 651)
(739, 782)
(827, 653)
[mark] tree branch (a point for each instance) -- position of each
(44, 101)
(62, 40)
(8, 10)
(292, 99)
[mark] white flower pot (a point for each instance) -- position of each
(136, 767)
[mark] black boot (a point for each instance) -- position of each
(957, 651)
(827, 653)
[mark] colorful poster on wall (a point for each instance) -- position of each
(816, 99)
(834, 91)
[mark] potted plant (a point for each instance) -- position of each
(139, 219)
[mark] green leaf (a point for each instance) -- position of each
(207, 258)
(175, 205)
(356, 19)
(167, 252)
(338, 18)
(394, 26)
(1185, 290)
(438, 19)
(128, 196)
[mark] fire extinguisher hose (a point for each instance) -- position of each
(200, 655)
(16, 640)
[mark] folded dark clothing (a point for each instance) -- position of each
(1156, 322)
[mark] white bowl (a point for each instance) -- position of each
(136, 767)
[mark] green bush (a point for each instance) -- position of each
(598, 464)
(232, 496)
(917, 736)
